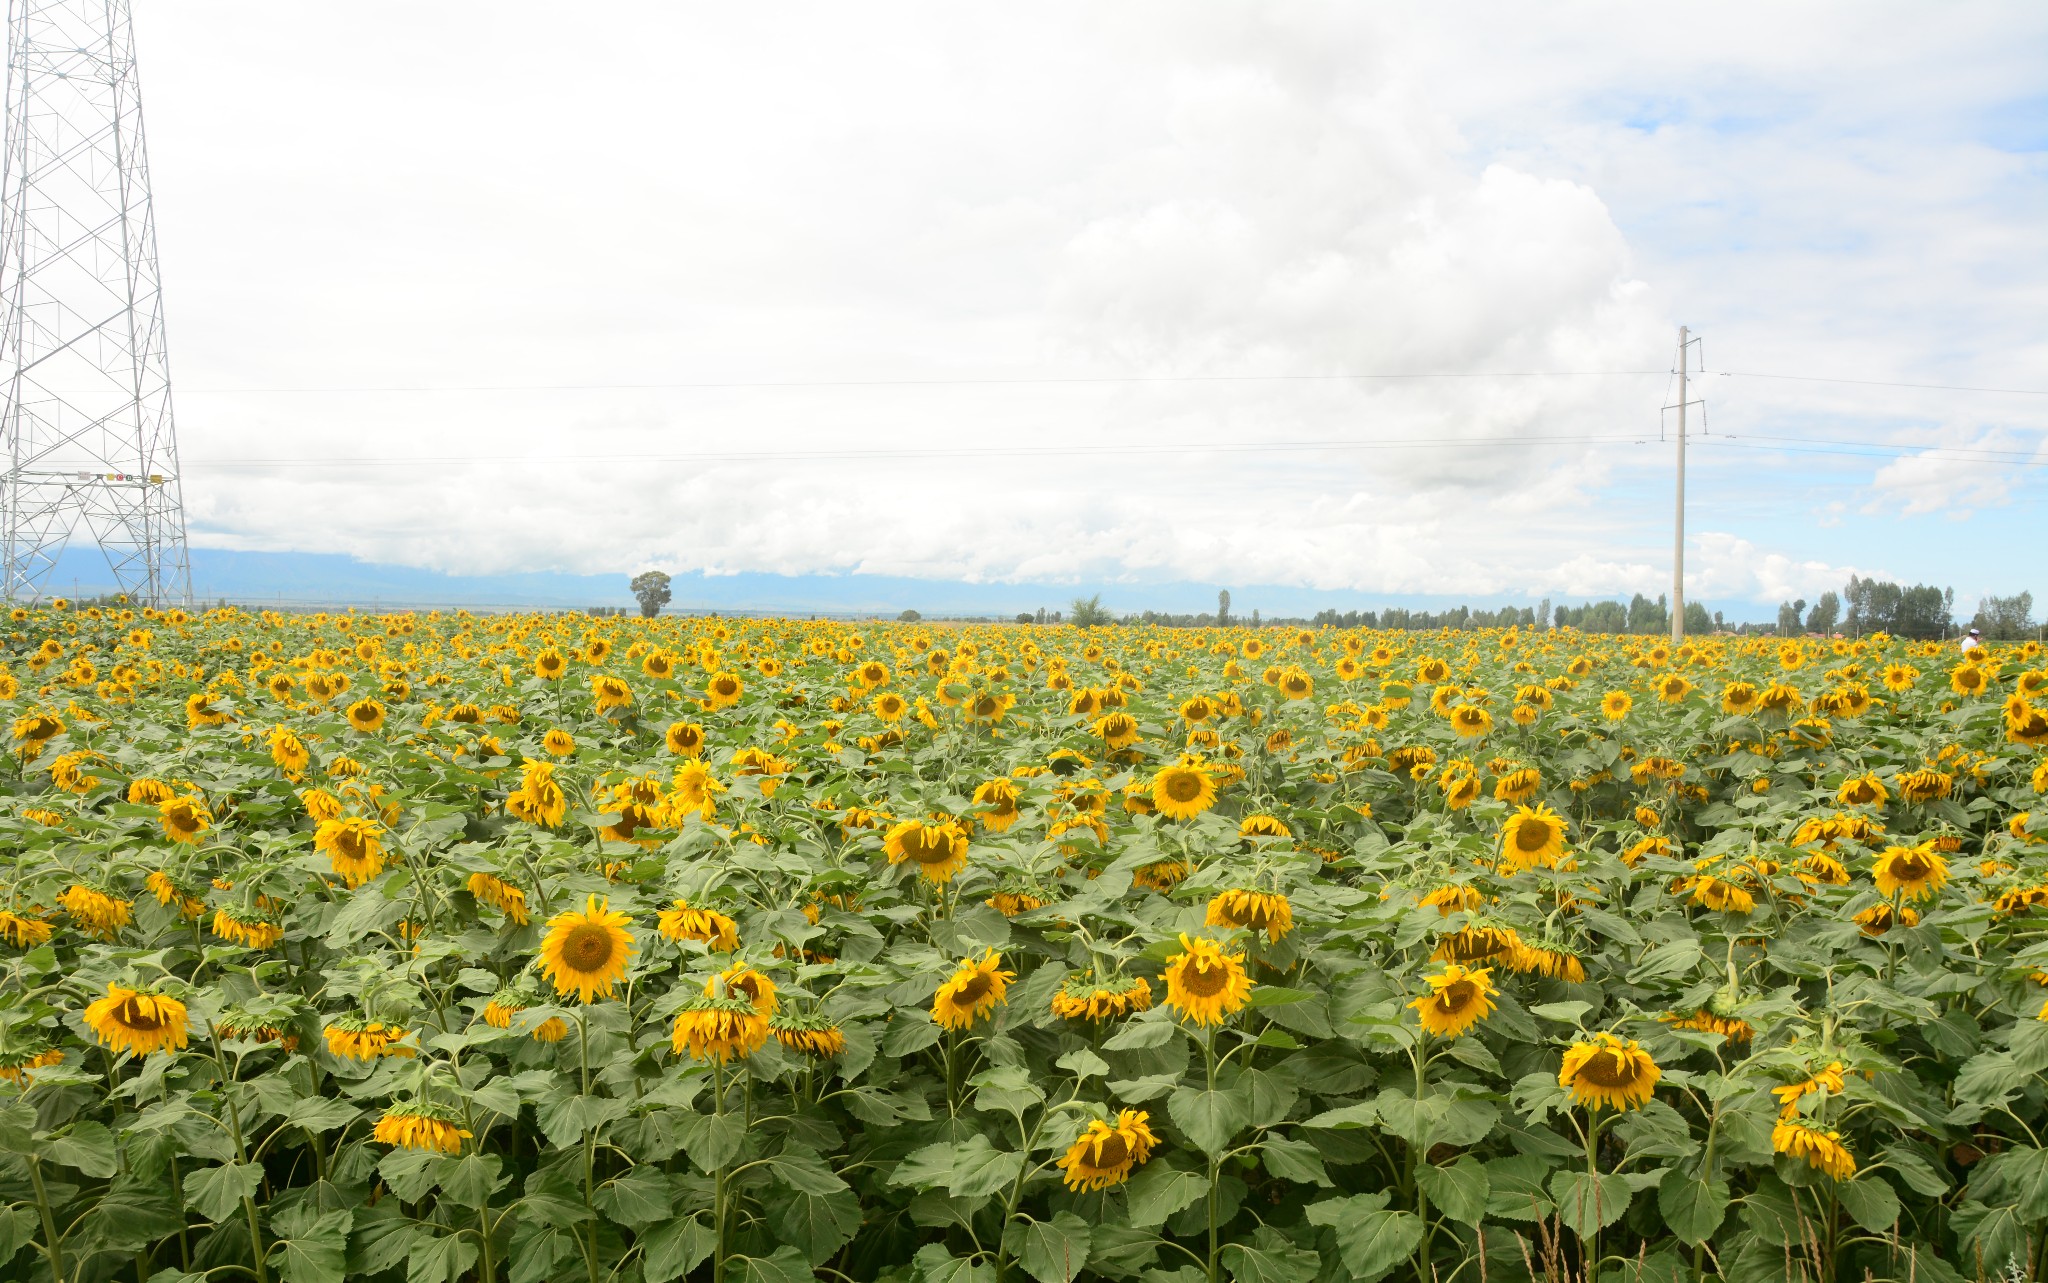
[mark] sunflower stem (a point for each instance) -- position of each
(53, 1239)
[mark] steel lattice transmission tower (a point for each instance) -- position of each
(90, 450)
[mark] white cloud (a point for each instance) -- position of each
(661, 193)
(1968, 470)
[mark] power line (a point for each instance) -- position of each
(1880, 383)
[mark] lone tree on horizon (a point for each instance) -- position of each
(651, 588)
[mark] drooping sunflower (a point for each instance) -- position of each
(1106, 1154)
(975, 990)
(201, 711)
(23, 932)
(352, 847)
(17, 1065)
(1261, 825)
(1458, 998)
(1911, 872)
(998, 798)
(1821, 1150)
(419, 1128)
(939, 850)
(1547, 960)
(1609, 1072)
(1826, 1082)
(743, 981)
(137, 1021)
(184, 819)
(812, 1035)
(1081, 998)
(494, 890)
(1183, 791)
(1117, 730)
(149, 792)
(719, 1028)
(250, 930)
(1879, 918)
(539, 799)
(96, 911)
(1205, 984)
(611, 693)
(1862, 790)
(684, 739)
(366, 715)
(354, 1038)
(683, 921)
(558, 742)
(586, 953)
(1471, 721)
(1476, 943)
(1738, 698)
(1253, 911)
(1533, 838)
(1518, 785)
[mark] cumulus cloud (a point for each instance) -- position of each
(1970, 469)
(849, 218)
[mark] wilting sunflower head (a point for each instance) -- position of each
(719, 1028)
(1910, 872)
(417, 1127)
(184, 819)
(1458, 998)
(1609, 1073)
(137, 1021)
(938, 850)
(1105, 1154)
(975, 989)
(1253, 911)
(1821, 1150)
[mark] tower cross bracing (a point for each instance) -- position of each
(90, 448)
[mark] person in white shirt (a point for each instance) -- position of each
(1973, 642)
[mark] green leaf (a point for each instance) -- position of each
(1371, 1239)
(1989, 1234)
(1692, 1208)
(440, 1258)
(128, 1218)
(713, 1140)
(1587, 1202)
(2018, 1177)
(473, 1178)
(1083, 1063)
(1460, 1190)
(787, 1265)
(676, 1247)
(1870, 1200)
(410, 1173)
(565, 1118)
(924, 1168)
(910, 1030)
(1139, 1035)
(800, 1169)
(88, 1148)
(321, 1113)
(317, 1254)
(1158, 1191)
(1273, 1260)
(979, 1168)
(1051, 1251)
(1294, 1160)
(217, 1192)
(17, 1228)
(818, 1223)
(1516, 1188)
(636, 1198)
(1121, 1250)
(1209, 1118)
(1565, 1013)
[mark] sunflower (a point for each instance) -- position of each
(549, 664)
(585, 953)
(1719, 894)
(1261, 825)
(95, 911)
(1453, 897)
(354, 1038)
(1295, 684)
(724, 690)
(539, 799)
(1476, 944)
(134, 1020)
(1614, 705)
(1079, 999)
(2025, 723)
(1161, 875)
(1910, 872)
(199, 711)
(352, 846)
(1966, 679)
(1105, 1154)
(288, 751)
(419, 1129)
(1733, 1028)
(1738, 698)
(1117, 730)
(149, 792)
(1544, 960)
(17, 1065)
(890, 707)
(1518, 785)
(1821, 1150)
(975, 990)
(558, 742)
(1533, 838)
(1253, 911)
(999, 798)
(611, 693)
(1183, 791)
(494, 890)
(1197, 709)
(1471, 721)
(1608, 1072)
(366, 715)
(23, 932)
(740, 980)
(1827, 1082)
(251, 931)
(939, 850)
(706, 926)
(1458, 998)
(184, 819)
(1205, 984)
(1880, 918)
(719, 1028)
(812, 1035)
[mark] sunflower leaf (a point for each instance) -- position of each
(1588, 1202)
(1051, 1251)
(1209, 1118)
(1158, 1191)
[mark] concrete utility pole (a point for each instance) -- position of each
(1678, 536)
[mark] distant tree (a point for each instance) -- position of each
(1255, 616)
(2005, 618)
(651, 589)
(1223, 609)
(909, 617)
(1697, 620)
(1024, 617)
(1826, 612)
(1542, 619)
(1089, 612)
(1792, 617)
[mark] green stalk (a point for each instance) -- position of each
(53, 1241)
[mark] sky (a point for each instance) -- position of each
(1081, 294)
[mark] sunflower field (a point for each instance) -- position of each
(441, 947)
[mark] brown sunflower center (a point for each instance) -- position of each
(1183, 786)
(1111, 1150)
(132, 1015)
(588, 947)
(1532, 835)
(927, 846)
(1456, 996)
(1205, 979)
(1610, 1069)
(972, 990)
(1911, 868)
